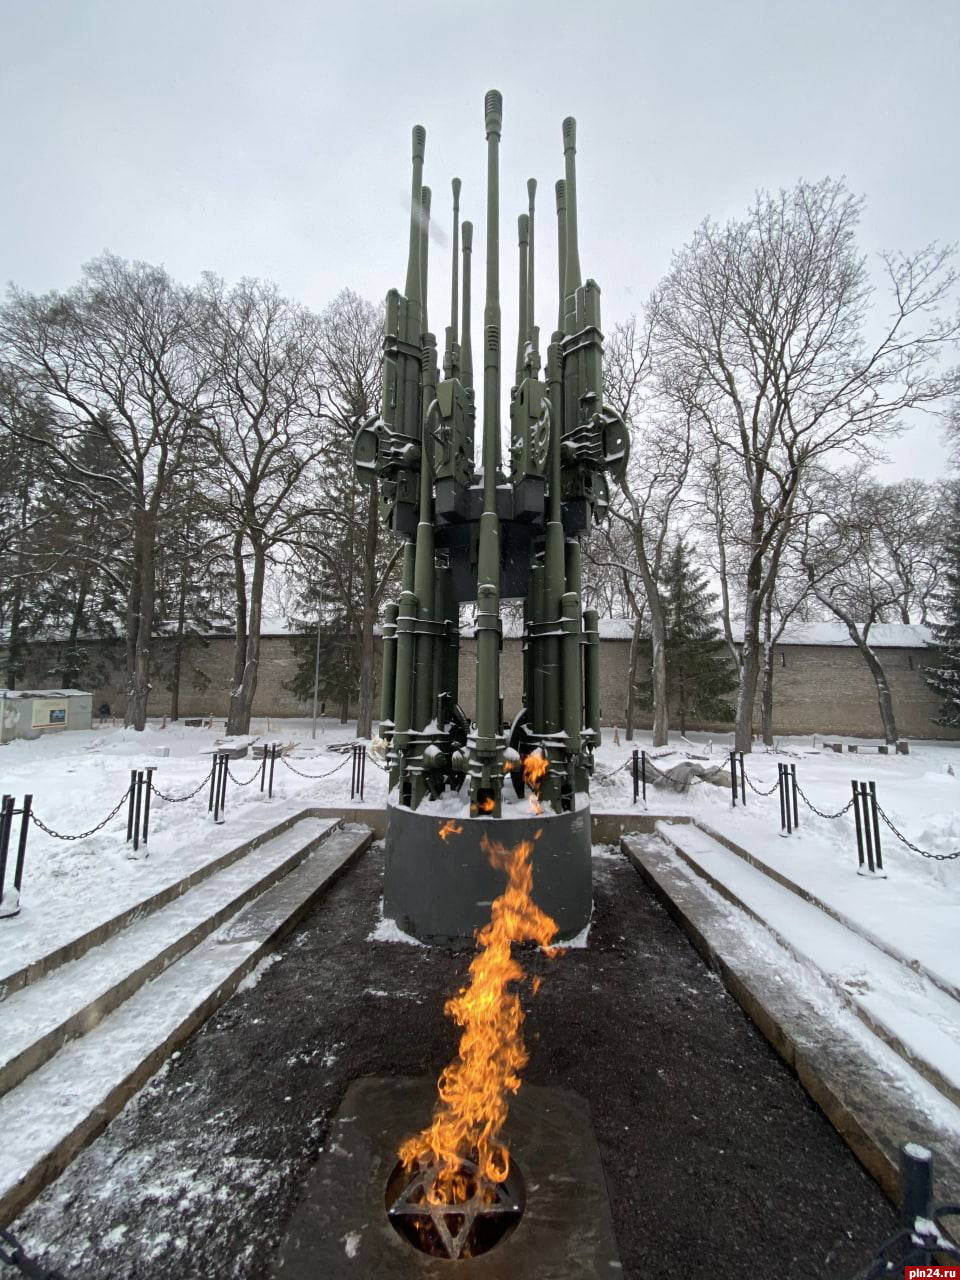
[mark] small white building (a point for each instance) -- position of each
(30, 713)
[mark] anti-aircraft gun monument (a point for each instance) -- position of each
(486, 530)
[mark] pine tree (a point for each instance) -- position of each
(699, 673)
(943, 674)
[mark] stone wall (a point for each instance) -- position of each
(817, 688)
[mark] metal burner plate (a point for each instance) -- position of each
(341, 1228)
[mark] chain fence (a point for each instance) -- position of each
(82, 835)
(315, 777)
(190, 794)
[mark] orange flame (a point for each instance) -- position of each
(486, 805)
(536, 806)
(472, 1106)
(535, 768)
(450, 828)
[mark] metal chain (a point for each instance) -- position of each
(12, 1253)
(913, 1246)
(180, 799)
(58, 835)
(819, 812)
(237, 781)
(936, 857)
(314, 777)
(757, 790)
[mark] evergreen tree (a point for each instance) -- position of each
(699, 673)
(943, 674)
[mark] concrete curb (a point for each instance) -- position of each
(81, 1089)
(78, 946)
(74, 1018)
(870, 1110)
(882, 944)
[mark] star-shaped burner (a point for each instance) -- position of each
(464, 1229)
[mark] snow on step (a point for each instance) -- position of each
(57, 931)
(914, 1016)
(68, 1101)
(76, 996)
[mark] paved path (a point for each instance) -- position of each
(718, 1164)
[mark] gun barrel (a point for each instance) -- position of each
(523, 235)
(561, 190)
(572, 279)
(455, 286)
(412, 289)
(491, 312)
(466, 346)
(425, 196)
(531, 312)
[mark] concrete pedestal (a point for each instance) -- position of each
(440, 890)
(341, 1229)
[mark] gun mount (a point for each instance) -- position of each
(476, 531)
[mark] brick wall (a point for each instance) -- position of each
(817, 688)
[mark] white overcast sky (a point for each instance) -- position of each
(272, 139)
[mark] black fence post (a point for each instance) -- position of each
(743, 782)
(733, 778)
(263, 768)
(214, 779)
(876, 825)
(363, 768)
(635, 773)
(131, 803)
(643, 775)
(222, 787)
(146, 804)
(781, 789)
(354, 765)
(916, 1184)
(136, 811)
(856, 819)
(793, 795)
(273, 761)
(6, 821)
(22, 846)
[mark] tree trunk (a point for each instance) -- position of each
(140, 683)
(750, 655)
(658, 646)
(241, 698)
(884, 697)
(240, 614)
(632, 681)
(178, 643)
(368, 676)
(71, 668)
(766, 687)
(133, 615)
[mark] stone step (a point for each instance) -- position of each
(872, 1096)
(62, 1106)
(72, 999)
(917, 1019)
(20, 970)
(939, 916)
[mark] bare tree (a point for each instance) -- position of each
(646, 504)
(351, 338)
(764, 323)
(867, 550)
(114, 359)
(267, 439)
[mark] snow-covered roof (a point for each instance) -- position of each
(833, 634)
(45, 693)
(882, 635)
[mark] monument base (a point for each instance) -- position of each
(439, 887)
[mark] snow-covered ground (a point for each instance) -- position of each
(914, 911)
(77, 778)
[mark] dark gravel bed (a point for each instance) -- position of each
(717, 1163)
